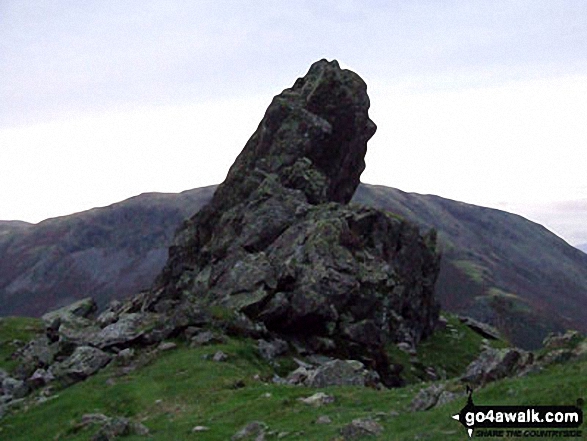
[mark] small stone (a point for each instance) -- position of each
(426, 398)
(125, 356)
(254, 428)
(40, 378)
(361, 427)
(220, 357)
(94, 418)
(204, 338)
(271, 349)
(166, 346)
(200, 429)
(298, 376)
(323, 419)
(139, 429)
(318, 399)
(191, 331)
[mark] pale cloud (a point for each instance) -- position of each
(476, 101)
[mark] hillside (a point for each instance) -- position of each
(108, 252)
(582, 247)
(496, 266)
(182, 393)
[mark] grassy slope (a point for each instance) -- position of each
(180, 389)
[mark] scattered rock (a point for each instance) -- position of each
(562, 341)
(340, 373)
(200, 429)
(14, 388)
(494, 364)
(39, 353)
(206, 338)
(298, 376)
(581, 349)
(441, 324)
(112, 427)
(254, 430)
(361, 427)
(84, 361)
(318, 399)
(426, 398)
(125, 356)
(271, 349)
(480, 328)
(84, 308)
(94, 418)
(324, 419)
(220, 356)
(40, 378)
(126, 330)
(166, 346)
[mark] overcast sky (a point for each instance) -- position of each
(478, 101)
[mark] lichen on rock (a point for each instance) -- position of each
(279, 243)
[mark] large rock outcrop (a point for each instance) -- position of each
(277, 254)
(279, 243)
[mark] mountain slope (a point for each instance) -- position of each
(582, 247)
(108, 252)
(496, 266)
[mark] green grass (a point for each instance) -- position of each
(183, 388)
(180, 389)
(477, 273)
(20, 329)
(453, 348)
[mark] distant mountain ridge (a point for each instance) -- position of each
(582, 247)
(496, 266)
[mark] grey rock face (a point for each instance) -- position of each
(255, 430)
(84, 308)
(494, 364)
(481, 328)
(84, 361)
(278, 244)
(128, 328)
(432, 396)
(341, 373)
(361, 427)
(14, 388)
(271, 349)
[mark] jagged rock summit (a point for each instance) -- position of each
(279, 244)
(278, 255)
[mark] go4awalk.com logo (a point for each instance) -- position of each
(521, 421)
